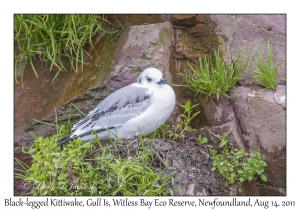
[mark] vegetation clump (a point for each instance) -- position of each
(214, 78)
(52, 38)
(236, 165)
(266, 73)
(74, 169)
(217, 78)
(174, 132)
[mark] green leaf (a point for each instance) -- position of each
(263, 177)
(195, 114)
(240, 190)
(228, 132)
(223, 143)
(240, 171)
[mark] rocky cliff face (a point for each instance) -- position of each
(167, 42)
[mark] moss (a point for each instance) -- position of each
(107, 51)
(164, 34)
(95, 71)
(144, 57)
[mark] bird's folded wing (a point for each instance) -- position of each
(117, 108)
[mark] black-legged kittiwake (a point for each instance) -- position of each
(139, 108)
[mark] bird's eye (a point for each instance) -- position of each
(148, 79)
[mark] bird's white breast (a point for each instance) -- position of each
(162, 105)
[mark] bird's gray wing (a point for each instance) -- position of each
(117, 108)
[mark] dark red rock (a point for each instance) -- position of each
(252, 32)
(184, 20)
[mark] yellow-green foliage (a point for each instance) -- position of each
(266, 73)
(52, 37)
(235, 164)
(214, 78)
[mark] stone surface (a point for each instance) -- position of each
(264, 117)
(115, 20)
(189, 43)
(194, 41)
(276, 174)
(142, 47)
(191, 189)
(185, 20)
(37, 98)
(280, 95)
(241, 110)
(263, 126)
(250, 188)
(252, 32)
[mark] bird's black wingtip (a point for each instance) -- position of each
(63, 141)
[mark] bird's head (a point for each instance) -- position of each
(151, 76)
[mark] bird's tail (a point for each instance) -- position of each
(72, 137)
(65, 140)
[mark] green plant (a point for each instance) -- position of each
(53, 37)
(90, 169)
(266, 73)
(214, 78)
(187, 116)
(202, 140)
(223, 139)
(188, 109)
(160, 133)
(175, 131)
(235, 164)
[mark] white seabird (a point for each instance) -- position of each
(139, 108)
